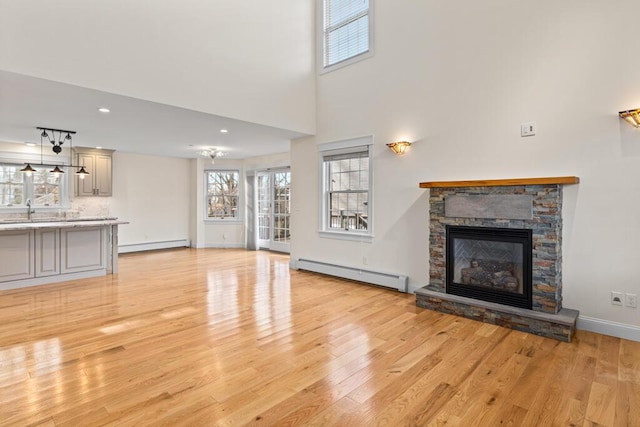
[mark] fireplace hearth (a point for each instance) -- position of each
(495, 253)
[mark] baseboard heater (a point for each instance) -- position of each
(151, 246)
(394, 281)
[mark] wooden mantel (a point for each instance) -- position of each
(502, 182)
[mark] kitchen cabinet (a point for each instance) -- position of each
(16, 255)
(47, 253)
(99, 165)
(83, 249)
(36, 253)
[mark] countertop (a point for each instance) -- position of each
(11, 224)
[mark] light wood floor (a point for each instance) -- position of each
(230, 337)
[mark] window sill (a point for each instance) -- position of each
(353, 236)
(38, 208)
(360, 57)
(222, 221)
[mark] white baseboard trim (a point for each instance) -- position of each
(168, 244)
(606, 327)
(224, 245)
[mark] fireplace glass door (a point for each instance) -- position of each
(491, 264)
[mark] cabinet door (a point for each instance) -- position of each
(102, 177)
(82, 249)
(47, 252)
(85, 187)
(16, 255)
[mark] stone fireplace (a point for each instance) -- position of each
(495, 253)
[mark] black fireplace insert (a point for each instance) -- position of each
(490, 264)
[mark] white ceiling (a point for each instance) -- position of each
(133, 125)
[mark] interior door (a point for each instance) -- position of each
(274, 210)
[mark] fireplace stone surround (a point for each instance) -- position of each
(530, 203)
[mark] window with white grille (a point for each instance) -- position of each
(347, 176)
(43, 188)
(222, 194)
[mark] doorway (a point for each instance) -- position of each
(274, 208)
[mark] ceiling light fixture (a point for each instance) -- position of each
(56, 170)
(28, 170)
(82, 173)
(224, 131)
(400, 147)
(104, 110)
(212, 153)
(632, 116)
(57, 141)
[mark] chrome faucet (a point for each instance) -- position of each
(30, 210)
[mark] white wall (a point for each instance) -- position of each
(253, 60)
(458, 80)
(154, 194)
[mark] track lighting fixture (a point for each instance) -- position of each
(56, 137)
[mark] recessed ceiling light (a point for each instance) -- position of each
(30, 144)
(223, 131)
(104, 110)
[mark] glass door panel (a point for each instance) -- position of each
(274, 208)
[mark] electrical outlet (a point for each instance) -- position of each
(631, 300)
(616, 298)
(528, 129)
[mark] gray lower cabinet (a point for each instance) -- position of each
(83, 249)
(16, 255)
(47, 254)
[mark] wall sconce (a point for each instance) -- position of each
(400, 147)
(632, 116)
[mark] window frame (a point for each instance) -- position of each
(322, 45)
(354, 145)
(29, 184)
(226, 220)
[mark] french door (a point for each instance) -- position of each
(274, 207)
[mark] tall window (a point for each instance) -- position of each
(43, 188)
(347, 30)
(222, 194)
(11, 186)
(347, 177)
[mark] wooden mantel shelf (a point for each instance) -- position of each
(502, 182)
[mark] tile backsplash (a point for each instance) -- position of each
(89, 206)
(79, 207)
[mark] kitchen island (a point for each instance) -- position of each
(39, 252)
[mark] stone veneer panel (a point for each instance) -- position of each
(546, 227)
